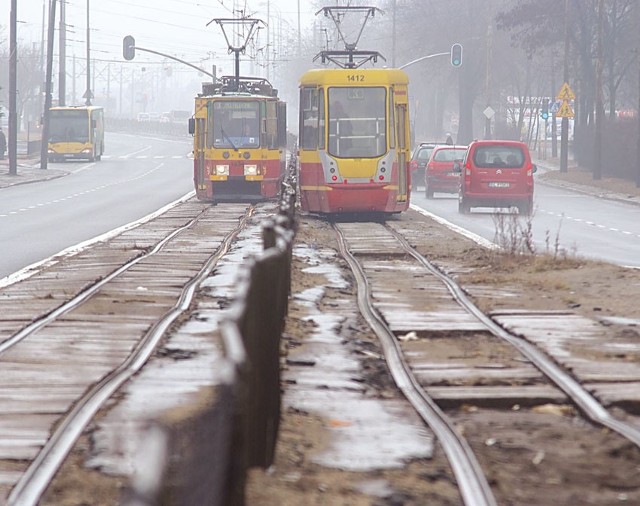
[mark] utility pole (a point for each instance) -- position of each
(41, 65)
(120, 96)
(554, 124)
(564, 136)
(487, 84)
(268, 36)
(88, 94)
(393, 35)
(638, 115)
(73, 83)
(44, 148)
(299, 33)
(62, 49)
(13, 90)
(108, 83)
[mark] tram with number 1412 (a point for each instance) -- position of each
(354, 137)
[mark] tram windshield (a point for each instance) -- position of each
(357, 122)
(234, 124)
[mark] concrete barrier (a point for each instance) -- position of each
(203, 457)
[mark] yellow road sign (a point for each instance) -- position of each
(566, 93)
(565, 110)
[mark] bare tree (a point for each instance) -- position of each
(30, 78)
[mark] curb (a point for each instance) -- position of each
(583, 189)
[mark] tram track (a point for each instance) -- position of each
(108, 347)
(356, 244)
(474, 487)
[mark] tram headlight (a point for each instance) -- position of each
(251, 170)
(222, 170)
(246, 155)
(225, 155)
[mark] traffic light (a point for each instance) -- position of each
(544, 113)
(128, 47)
(456, 55)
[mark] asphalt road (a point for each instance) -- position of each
(576, 223)
(137, 176)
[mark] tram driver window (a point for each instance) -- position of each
(357, 122)
(309, 118)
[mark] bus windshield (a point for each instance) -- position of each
(234, 124)
(69, 126)
(357, 122)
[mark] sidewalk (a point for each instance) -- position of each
(28, 171)
(581, 180)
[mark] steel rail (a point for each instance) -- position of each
(472, 483)
(39, 474)
(87, 293)
(588, 404)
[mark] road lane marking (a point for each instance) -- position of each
(86, 192)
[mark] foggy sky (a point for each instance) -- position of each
(175, 27)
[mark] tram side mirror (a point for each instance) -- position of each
(457, 167)
(192, 126)
(534, 168)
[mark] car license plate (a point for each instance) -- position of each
(498, 184)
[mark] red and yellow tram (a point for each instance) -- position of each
(354, 141)
(240, 132)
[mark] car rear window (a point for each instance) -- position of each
(449, 155)
(424, 153)
(498, 156)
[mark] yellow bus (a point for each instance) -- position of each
(76, 132)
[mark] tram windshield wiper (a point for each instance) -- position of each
(225, 136)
